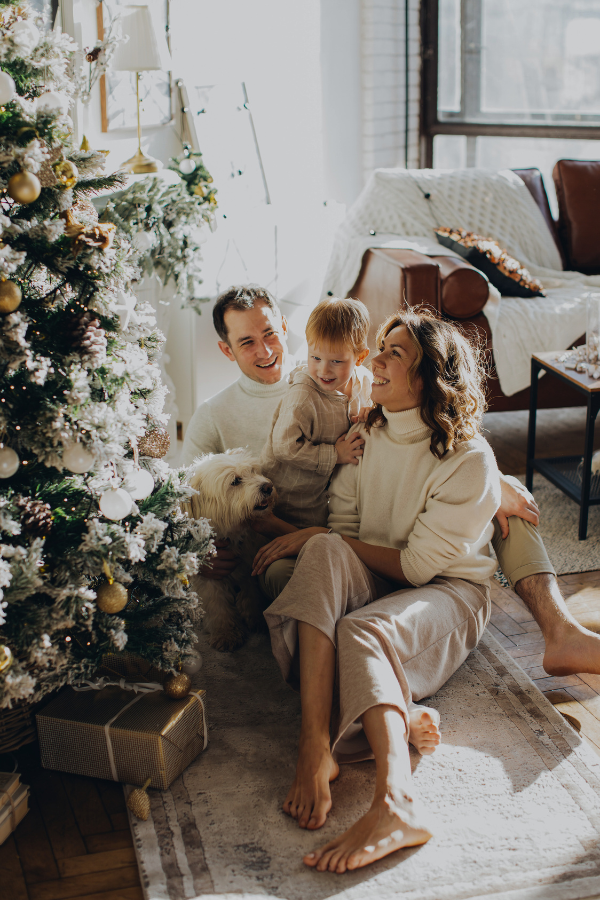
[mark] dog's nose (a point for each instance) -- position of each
(266, 489)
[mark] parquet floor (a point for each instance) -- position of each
(75, 842)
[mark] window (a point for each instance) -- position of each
(511, 83)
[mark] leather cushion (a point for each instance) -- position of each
(464, 289)
(504, 272)
(577, 185)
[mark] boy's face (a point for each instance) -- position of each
(332, 367)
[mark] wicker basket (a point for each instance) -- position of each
(17, 727)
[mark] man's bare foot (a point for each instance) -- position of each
(309, 798)
(388, 826)
(572, 649)
(424, 728)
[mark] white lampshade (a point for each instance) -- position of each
(146, 50)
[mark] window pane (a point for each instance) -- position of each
(449, 55)
(540, 59)
(522, 61)
(449, 151)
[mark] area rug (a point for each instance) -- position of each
(515, 792)
(559, 527)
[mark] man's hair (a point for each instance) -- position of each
(241, 296)
(333, 322)
(451, 369)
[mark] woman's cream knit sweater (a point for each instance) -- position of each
(438, 513)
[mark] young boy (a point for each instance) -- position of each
(310, 424)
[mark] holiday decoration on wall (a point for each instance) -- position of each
(167, 224)
(95, 553)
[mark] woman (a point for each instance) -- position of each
(396, 591)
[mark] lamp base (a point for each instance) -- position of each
(140, 164)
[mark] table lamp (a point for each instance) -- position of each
(144, 51)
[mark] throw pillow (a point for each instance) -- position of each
(504, 272)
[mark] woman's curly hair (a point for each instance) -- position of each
(450, 368)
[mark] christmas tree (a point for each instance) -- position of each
(95, 553)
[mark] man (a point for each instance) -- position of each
(252, 333)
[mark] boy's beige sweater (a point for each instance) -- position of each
(437, 513)
(300, 453)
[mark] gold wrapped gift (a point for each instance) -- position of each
(122, 734)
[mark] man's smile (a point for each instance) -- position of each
(268, 365)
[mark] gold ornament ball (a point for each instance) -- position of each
(178, 686)
(66, 172)
(10, 296)
(139, 801)
(6, 658)
(112, 598)
(24, 187)
(155, 443)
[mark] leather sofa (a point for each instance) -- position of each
(458, 291)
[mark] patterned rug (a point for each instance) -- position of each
(559, 527)
(515, 793)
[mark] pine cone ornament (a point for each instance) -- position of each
(36, 517)
(87, 336)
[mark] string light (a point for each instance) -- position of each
(67, 639)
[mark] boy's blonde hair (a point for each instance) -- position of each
(334, 321)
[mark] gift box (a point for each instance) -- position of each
(122, 734)
(14, 803)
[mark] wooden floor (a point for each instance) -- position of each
(75, 842)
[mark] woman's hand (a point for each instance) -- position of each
(516, 501)
(283, 546)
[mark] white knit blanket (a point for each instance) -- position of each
(495, 204)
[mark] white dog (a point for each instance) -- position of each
(230, 492)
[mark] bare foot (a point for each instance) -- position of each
(424, 728)
(309, 798)
(388, 826)
(572, 650)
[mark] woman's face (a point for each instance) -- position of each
(390, 372)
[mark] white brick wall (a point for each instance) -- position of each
(383, 83)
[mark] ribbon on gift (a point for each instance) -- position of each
(139, 688)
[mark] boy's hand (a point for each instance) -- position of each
(349, 451)
(362, 415)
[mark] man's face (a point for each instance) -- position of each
(257, 342)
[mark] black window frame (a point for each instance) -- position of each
(430, 124)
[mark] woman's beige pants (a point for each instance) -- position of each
(393, 645)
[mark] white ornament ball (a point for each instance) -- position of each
(143, 241)
(187, 166)
(54, 102)
(77, 459)
(116, 505)
(25, 35)
(190, 668)
(9, 462)
(139, 484)
(7, 88)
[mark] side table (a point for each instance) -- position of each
(566, 472)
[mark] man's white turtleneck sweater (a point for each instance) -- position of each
(238, 416)
(437, 512)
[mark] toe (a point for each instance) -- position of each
(323, 863)
(311, 859)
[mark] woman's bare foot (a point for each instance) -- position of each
(389, 825)
(309, 798)
(424, 728)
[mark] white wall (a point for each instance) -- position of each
(341, 62)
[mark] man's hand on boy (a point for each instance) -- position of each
(349, 448)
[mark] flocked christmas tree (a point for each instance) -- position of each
(95, 554)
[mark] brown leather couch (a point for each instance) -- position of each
(459, 292)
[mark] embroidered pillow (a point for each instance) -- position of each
(503, 271)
